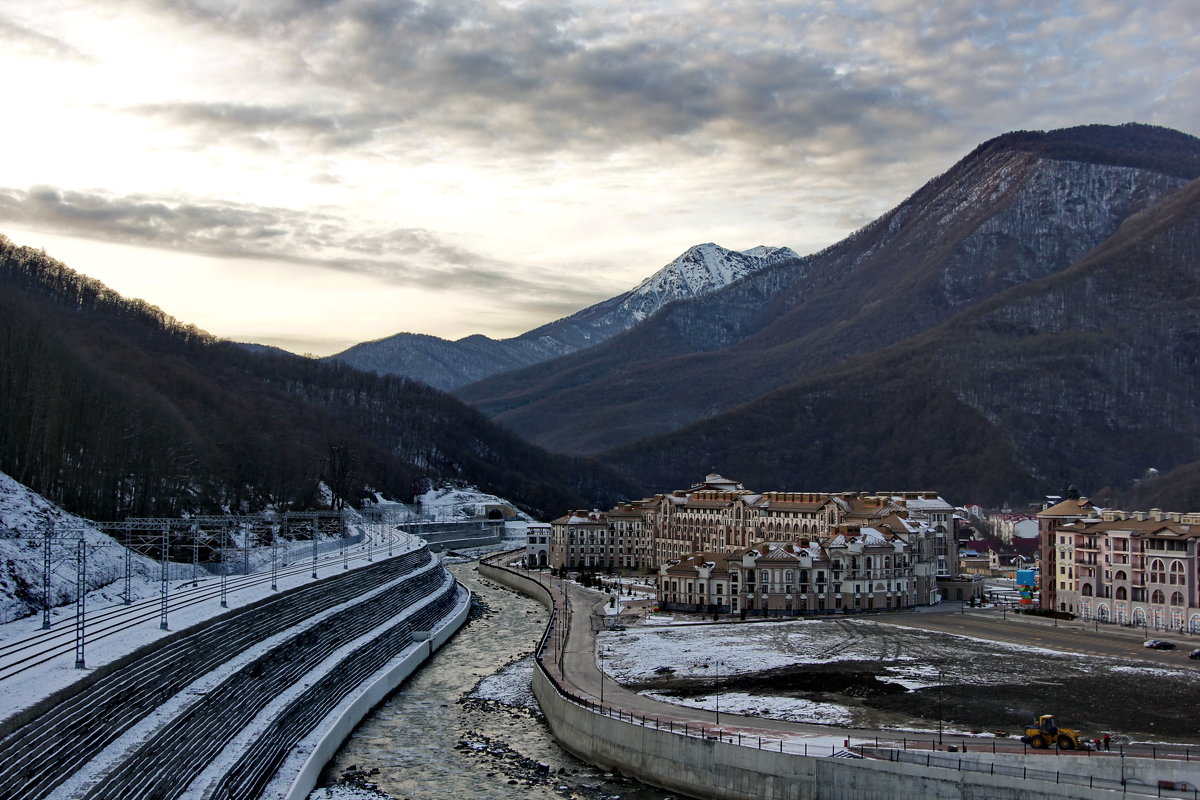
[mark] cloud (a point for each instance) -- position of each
(18, 38)
(406, 256)
(765, 84)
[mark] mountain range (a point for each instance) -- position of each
(1022, 321)
(447, 365)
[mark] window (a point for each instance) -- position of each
(1157, 596)
(1176, 598)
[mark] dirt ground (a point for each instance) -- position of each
(975, 686)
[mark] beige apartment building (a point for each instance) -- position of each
(1139, 568)
(852, 569)
(721, 516)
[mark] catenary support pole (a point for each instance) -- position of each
(165, 588)
(80, 599)
(47, 543)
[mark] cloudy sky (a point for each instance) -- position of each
(315, 173)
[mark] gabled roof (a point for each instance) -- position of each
(1071, 507)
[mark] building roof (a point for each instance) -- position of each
(1071, 507)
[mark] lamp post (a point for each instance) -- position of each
(718, 692)
(939, 707)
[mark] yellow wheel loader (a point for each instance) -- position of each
(1046, 733)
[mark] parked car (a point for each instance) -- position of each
(1159, 644)
(1195, 653)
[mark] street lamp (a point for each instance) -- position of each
(939, 707)
(718, 692)
(600, 656)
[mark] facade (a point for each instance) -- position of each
(537, 545)
(1054, 554)
(719, 515)
(851, 569)
(1140, 568)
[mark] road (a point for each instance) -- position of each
(1072, 637)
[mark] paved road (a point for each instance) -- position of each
(1072, 637)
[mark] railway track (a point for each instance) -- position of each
(21, 654)
(167, 763)
(41, 754)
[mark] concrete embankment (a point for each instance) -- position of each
(709, 768)
(343, 721)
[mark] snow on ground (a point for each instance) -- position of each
(791, 709)
(27, 688)
(342, 792)
(449, 502)
(512, 686)
(24, 516)
(648, 654)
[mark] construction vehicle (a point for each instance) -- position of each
(1046, 733)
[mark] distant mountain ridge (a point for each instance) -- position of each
(446, 364)
(1017, 209)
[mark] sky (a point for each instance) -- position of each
(316, 173)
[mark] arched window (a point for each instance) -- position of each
(1122, 593)
(1158, 573)
(1177, 574)
(787, 577)
(804, 576)
(868, 560)
(1157, 596)
(1176, 598)
(1086, 590)
(1121, 576)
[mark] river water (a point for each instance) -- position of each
(431, 739)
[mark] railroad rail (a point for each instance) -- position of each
(19, 654)
(61, 735)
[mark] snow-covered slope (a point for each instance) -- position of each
(24, 518)
(701, 270)
(447, 365)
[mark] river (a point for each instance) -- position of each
(431, 739)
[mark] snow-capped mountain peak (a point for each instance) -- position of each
(702, 269)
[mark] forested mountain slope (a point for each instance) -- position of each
(110, 408)
(1020, 207)
(1086, 376)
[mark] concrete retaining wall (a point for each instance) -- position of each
(442, 536)
(371, 696)
(713, 769)
(1139, 773)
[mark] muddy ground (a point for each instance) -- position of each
(982, 687)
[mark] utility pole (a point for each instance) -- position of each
(718, 667)
(80, 599)
(274, 558)
(47, 543)
(314, 547)
(165, 587)
(939, 707)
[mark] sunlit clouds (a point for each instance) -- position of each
(462, 167)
